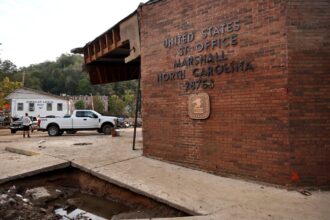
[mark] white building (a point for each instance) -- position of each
(37, 103)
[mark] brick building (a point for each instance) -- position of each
(237, 88)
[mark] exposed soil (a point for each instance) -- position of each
(70, 189)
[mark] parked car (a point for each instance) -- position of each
(17, 125)
(2, 120)
(121, 123)
(78, 121)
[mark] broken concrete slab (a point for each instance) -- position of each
(200, 193)
(14, 166)
(38, 193)
(163, 182)
(21, 151)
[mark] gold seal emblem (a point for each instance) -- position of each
(199, 106)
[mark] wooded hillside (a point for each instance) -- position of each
(66, 75)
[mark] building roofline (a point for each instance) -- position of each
(115, 54)
(152, 2)
(79, 50)
(39, 92)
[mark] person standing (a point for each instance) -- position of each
(26, 125)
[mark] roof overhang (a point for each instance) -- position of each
(114, 55)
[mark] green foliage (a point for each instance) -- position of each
(61, 76)
(6, 87)
(79, 104)
(84, 87)
(129, 100)
(66, 75)
(98, 104)
(116, 105)
(7, 69)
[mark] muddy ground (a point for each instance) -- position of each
(44, 195)
(71, 189)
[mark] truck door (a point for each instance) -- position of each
(66, 123)
(92, 120)
(85, 120)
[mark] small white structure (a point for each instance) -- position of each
(37, 103)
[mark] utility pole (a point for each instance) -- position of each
(138, 98)
(92, 101)
(23, 78)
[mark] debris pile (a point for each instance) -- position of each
(17, 204)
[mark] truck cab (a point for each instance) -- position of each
(79, 120)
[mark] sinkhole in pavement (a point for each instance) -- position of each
(72, 194)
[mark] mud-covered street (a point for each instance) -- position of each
(112, 162)
(57, 196)
(68, 193)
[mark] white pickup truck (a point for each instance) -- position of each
(80, 120)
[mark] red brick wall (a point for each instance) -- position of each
(309, 89)
(247, 133)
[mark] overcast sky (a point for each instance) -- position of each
(33, 31)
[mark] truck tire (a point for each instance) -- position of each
(60, 133)
(106, 129)
(12, 131)
(53, 130)
(71, 132)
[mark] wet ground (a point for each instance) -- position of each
(72, 194)
(112, 159)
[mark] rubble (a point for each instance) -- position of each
(16, 206)
(38, 194)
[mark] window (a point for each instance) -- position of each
(90, 115)
(80, 114)
(59, 107)
(31, 107)
(49, 107)
(20, 107)
(86, 114)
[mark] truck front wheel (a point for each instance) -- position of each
(53, 130)
(107, 129)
